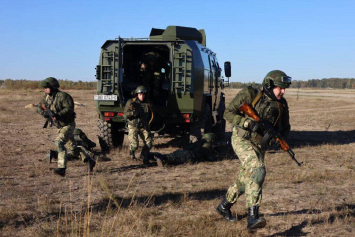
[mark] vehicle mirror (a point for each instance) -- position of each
(227, 69)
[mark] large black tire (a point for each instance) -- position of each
(198, 129)
(109, 137)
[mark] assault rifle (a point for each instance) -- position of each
(50, 115)
(270, 131)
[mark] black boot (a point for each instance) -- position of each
(145, 155)
(224, 209)
(52, 155)
(92, 164)
(161, 161)
(132, 155)
(254, 221)
(60, 171)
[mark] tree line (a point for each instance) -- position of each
(64, 84)
(336, 83)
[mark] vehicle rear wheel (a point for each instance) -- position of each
(109, 137)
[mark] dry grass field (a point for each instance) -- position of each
(124, 198)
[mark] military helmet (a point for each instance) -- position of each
(50, 82)
(277, 78)
(151, 55)
(141, 89)
(209, 137)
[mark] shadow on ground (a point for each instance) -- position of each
(314, 138)
(343, 211)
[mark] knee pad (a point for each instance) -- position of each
(258, 175)
(60, 146)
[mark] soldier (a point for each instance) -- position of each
(246, 142)
(150, 73)
(195, 152)
(80, 146)
(138, 113)
(58, 108)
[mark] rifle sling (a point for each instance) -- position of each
(265, 141)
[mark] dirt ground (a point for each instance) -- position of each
(124, 198)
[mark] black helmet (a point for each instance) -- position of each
(50, 82)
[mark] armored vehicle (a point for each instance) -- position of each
(186, 87)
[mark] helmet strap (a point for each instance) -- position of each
(269, 92)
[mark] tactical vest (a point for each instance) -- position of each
(268, 110)
(144, 108)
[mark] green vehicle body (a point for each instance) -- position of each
(191, 99)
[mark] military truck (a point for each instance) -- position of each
(190, 99)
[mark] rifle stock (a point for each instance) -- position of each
(248, 110)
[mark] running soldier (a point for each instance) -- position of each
(195, 152)
(246, 142)
(58, 108)
(139, 114)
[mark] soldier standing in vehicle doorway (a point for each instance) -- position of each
(247, 135)
(151, 75)
(139, 114)
(58, 108)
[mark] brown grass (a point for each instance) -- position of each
(123, 198)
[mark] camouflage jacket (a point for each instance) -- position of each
(275, 112)
(138, 113)
(61, 104)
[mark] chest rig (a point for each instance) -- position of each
(267, 109)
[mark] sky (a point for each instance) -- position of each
(62, 38)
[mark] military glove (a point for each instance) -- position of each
(253, 126)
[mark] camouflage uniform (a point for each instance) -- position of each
(195, 152)
(62, 105)
(79, 146)
(246, 143)
(138, 115)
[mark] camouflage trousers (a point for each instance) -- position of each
(64, 135)
(180, 156)
(134, 132)
(251, 172)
